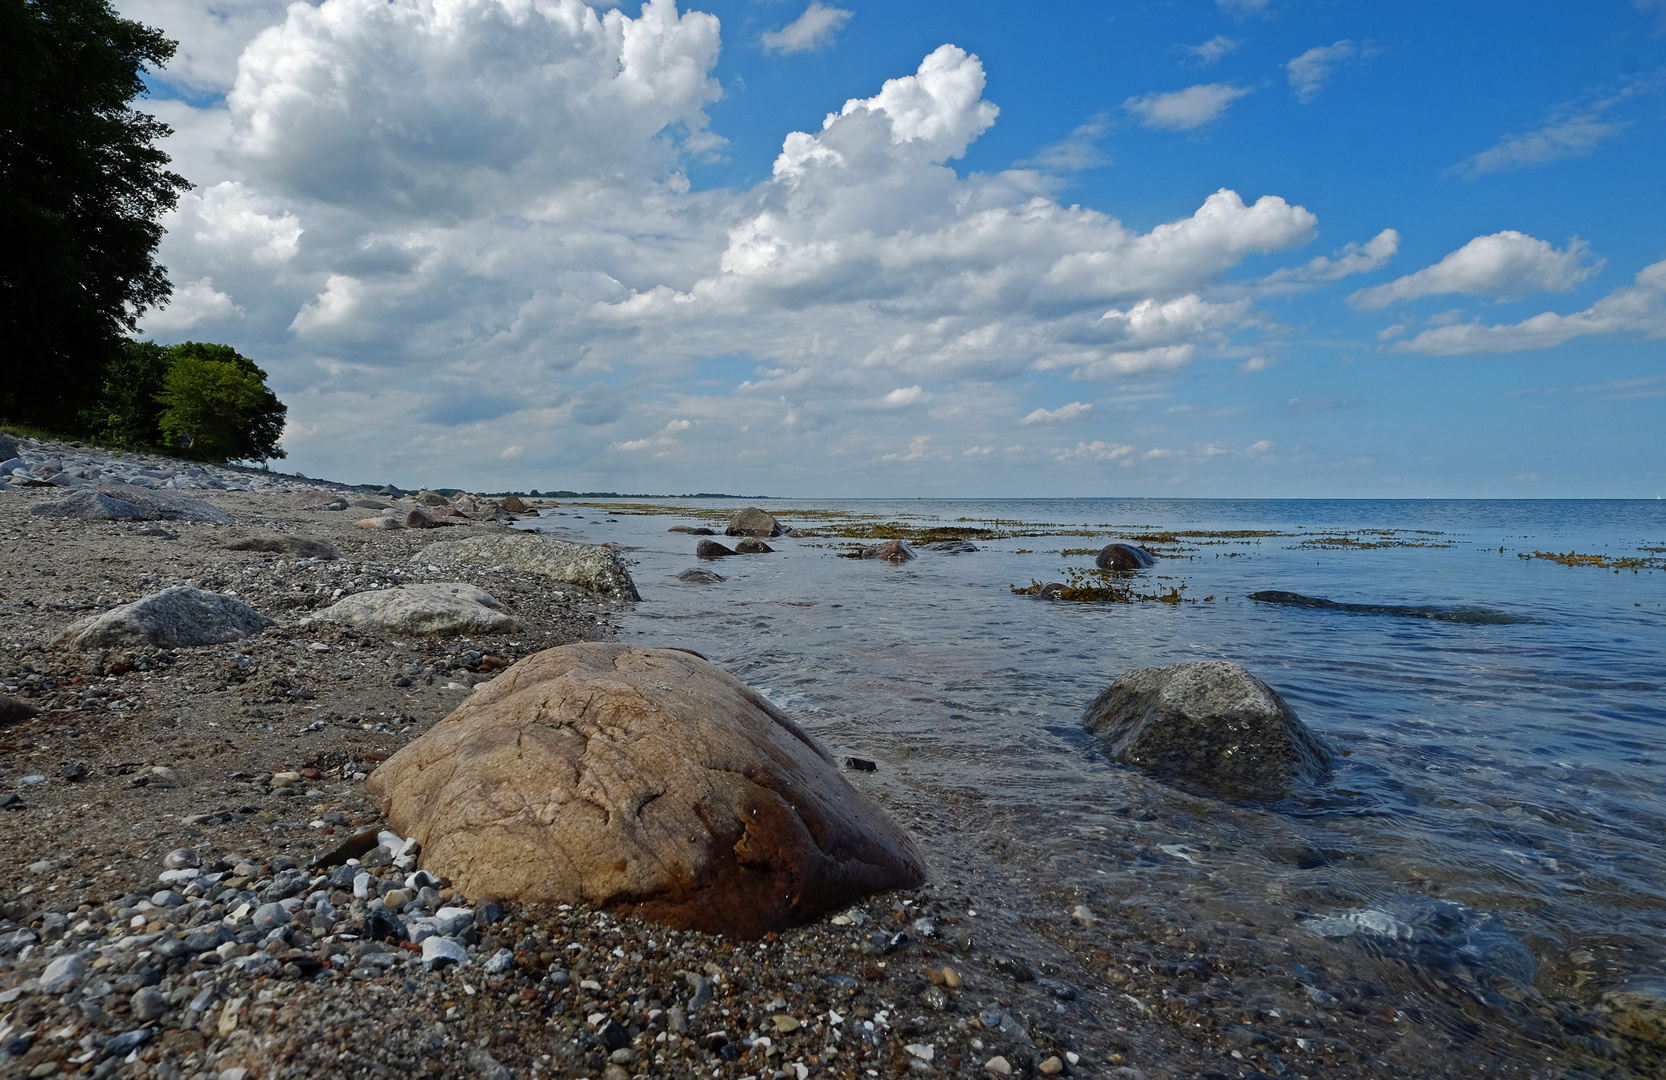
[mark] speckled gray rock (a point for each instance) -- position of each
(437, 609)
(62, 973)
(753, 522)
(587, 566)
(8, 447)
(173, 618)
(269, 917)
(92, 506)
(751, 545)
(1210, 726)
(170, 505)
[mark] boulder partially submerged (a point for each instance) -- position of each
(174, 618)
(645, 781)
(593, 567)
(1210, 726)
(888, 551)
(433, 609)
(711, 549)
(1124, 557)
(753, 522)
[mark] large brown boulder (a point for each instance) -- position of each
(645, 781)
(753, 522)
(1124, 557)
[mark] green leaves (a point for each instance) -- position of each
(216, 405)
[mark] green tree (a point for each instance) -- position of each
(82, 185)
(127, 413)
(217, 407)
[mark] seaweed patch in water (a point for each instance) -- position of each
(1469, 615)
(1602, 562)
(1099, 587)
(1378, 538)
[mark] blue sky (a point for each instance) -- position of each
(1209, 248)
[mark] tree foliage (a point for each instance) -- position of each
(82, 186)
(216, 405)
(127, 413)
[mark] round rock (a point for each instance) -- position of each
(646, 781)
(1124, 557)
(181, 859)
(711, 549)
(888, 551)
(751, 545)
(753, 522)
(1210, 726)
(269, 917)
(435, 609)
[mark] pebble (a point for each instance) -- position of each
(1052, 1066)
(784, 1023)
(181, 859)
(499, 962)
(62, 973)
(269, 917)
(999, 1066)
(439, 952)
(147, 1004)
(1084, 915)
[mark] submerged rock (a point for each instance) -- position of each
(1476, 616)
(889, 551)
(435, 609)
(1638, 1008)
(711, 549)
(173, 618)
(593, 567)
(751, 545)
(696, 576)
(952, 547)
(1209, 725)
(753, 522)
(646, 781)
(1124, 557)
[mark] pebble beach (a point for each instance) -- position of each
(196, 884)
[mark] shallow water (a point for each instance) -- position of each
(1499, 806)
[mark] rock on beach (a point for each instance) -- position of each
(593, 567)
(436, 609)
(173, 618)
(646, 781)
(1210, 725)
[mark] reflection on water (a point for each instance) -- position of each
(1495, 824)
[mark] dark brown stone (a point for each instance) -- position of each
(1124, 557)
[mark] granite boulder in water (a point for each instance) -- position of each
(888, 551)
(753, 522)
(1210, 726)
(1124, 557)
(644, 781)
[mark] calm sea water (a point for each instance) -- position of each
(1506, 778)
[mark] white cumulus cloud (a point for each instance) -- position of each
(1075, 410)
(1636, 309)
(1506, 265)
(1212, 50)
(1183, 110)
(815, 29)
(1310, 71)
(192, 304)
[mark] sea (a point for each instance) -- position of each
(1497, 807)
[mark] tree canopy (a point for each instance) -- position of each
(216, 406)
(82, 186)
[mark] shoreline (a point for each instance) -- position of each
(1130, 986)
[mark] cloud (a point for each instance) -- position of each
(815, 29)
(1210, 51)
(1256, 449)
(1506, 265)
(1183, 110)
(1637, 309)
(1256, 363)
(1353, 258)
(1570, 131)
(193, 303)
(903, 396)
(1097, 450)
(1078, 151)
(1075, 410)
(1309, 72)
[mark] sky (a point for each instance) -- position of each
(1197, 248)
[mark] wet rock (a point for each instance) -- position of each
(641, 780)
(711, 549)
(1124, 557)
(952, 547)
(753, 522)
(13, 711)
(298, 546)
(1211, 726)
(593, 567)
(696, 576)
(1638, 1008)
(1474, 616)
(436, 609)
(751, 545)
(514, 504)
(173, 618)
(889, 551)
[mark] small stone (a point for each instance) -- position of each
(285, 779)
(148, 1004)
(923, 1051)
(396, 899)
(499, 962)
(999, 1066)
(1073, 1057)
(951, 978)
(61, 973)
(439, 952)
(167, 898)
(784, 1023)
(487, 1067)
(269, 917)
(41, 866)
(1052, 1066)
(164, 774)
(1083, 915)
(623, 1056)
